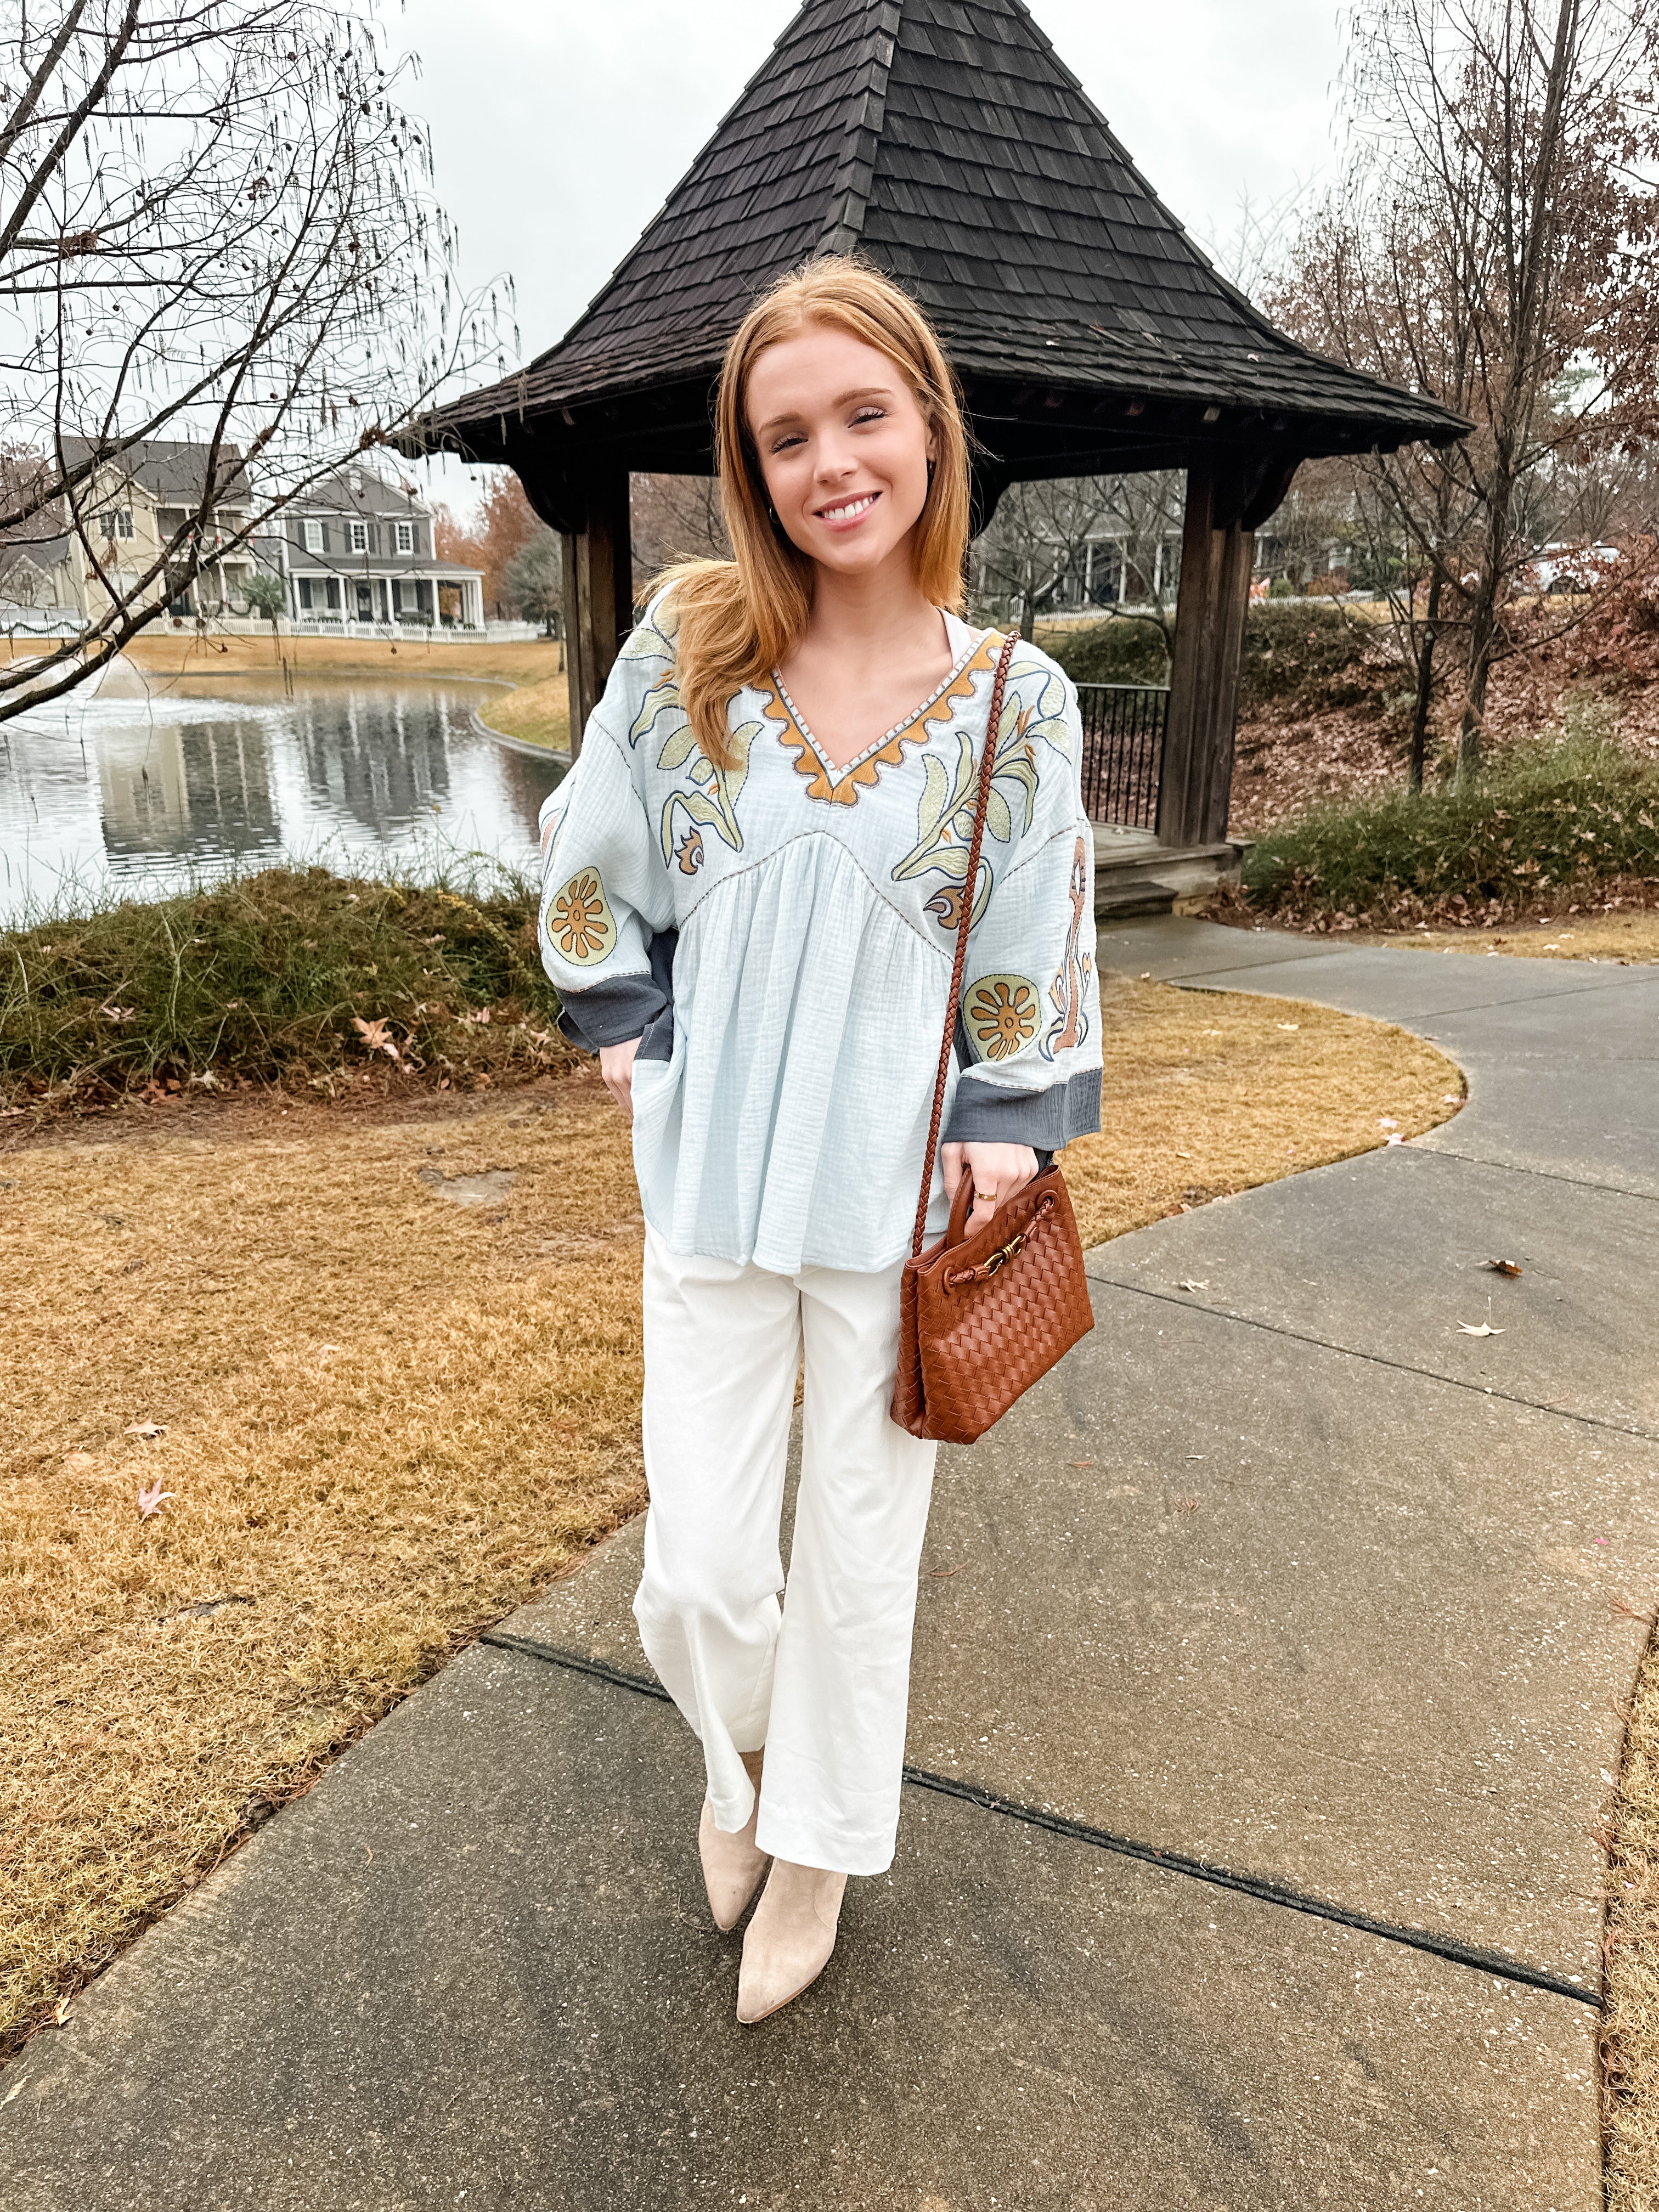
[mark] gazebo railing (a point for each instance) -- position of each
(1122, 751)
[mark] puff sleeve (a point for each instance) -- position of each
(1028, 1034)
(607, 911)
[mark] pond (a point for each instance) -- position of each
(134, 797)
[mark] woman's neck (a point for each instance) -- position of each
(879, 614)
(874, 646)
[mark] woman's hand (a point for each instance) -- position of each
(999, 1171)
(617, 1066)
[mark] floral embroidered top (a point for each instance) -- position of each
(779, 935)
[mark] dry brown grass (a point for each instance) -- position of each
(539, 713)
(1630, 2021)
(1210, 1093)
(1625, 937)
(181, 652)
(387, 1419)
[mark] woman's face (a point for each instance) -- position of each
(843, 445)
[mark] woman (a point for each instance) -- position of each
(753, 881)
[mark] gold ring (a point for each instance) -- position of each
(986, 1197)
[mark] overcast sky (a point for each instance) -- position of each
(560, 126)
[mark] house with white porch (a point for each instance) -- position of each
(359, 548)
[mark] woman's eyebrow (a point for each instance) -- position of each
(842, 400)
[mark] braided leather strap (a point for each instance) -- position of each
(987, 771)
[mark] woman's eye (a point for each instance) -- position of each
(870, 415)
(789, 438)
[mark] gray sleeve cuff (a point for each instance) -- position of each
(611, 1012)
(623, 1006)
(982, 1113)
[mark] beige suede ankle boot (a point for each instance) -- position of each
(790, 1938)
(732, 1866)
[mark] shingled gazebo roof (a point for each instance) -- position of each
(946, 141)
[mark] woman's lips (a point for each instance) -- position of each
(844, 513)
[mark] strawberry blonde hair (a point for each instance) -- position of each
(737, 619)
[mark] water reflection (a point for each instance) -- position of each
(143, 795)
(208, 783)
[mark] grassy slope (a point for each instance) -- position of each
(265, 979)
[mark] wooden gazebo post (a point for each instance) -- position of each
(1216, 555)
(590, 511)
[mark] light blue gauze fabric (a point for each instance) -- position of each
(779, 933)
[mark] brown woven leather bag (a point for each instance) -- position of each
(982, 1317)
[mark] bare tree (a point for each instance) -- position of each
(1492, 242)
(217, 230)
(674, 519)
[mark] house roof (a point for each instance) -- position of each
(946, 141)
(373, 494)
(172, 469)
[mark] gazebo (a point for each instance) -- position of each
(947, 142)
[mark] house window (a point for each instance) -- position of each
(332, 588)
(359, 537)
(305, 594)
(116, 522)
(314, 538)
(405, 536)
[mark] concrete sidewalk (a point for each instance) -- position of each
(1280, 1575)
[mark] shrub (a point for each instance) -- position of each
(1306, 654)
(1549, 819)
(1129, 649)
(1300, 655)
(265, 979)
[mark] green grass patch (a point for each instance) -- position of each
(1546, 822)
(290, 976)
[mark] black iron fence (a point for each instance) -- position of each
(1122, 751)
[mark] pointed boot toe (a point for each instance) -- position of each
(733, 1869)
(790, 1940)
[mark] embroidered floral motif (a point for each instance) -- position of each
(713, 800)
(842, 786)
(1068, 993)
(579, 921)
(1002, 1015)
(945, 813)
(689, 852)
(946, 904)
(662, 704)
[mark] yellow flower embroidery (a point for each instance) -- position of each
(1002, 1015)
(579, 922)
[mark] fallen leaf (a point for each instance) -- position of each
(1478, 1328)
(1187, 1284)
(375, 1036)
(1079, 1462)
(146, 1429)
(1383, 1123)
(60, 2011)
(1287, 1025)
(1503, 1267)
(152, 1500)
(1393, 1140)
(78, 1462)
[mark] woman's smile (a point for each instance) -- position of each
(847, 509)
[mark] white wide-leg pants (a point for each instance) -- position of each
(821, 1680)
